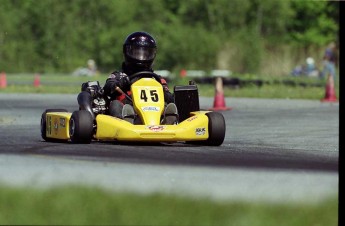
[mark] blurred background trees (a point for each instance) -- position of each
(244, 36)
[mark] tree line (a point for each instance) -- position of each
(60, 35)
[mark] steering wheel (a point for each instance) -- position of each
(145, 74)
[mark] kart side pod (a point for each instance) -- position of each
(55, 125)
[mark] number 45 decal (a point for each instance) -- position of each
(153, 95)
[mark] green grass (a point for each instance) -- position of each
(269, 91)
(77, 205)
(272, 88)
(57, 83)
(72, 89)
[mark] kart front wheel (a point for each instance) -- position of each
(81, 127)
(44, 123)
(216, 129)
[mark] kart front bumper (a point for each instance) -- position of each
(194, 128)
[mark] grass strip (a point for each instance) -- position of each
(72, 84)
(77, 205)
(269, 91)
(266, 91)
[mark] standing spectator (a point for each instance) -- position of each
(90, 70)
(310, 68)
(330, 61)
(91, 65)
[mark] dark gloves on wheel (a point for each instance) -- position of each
(122, 81)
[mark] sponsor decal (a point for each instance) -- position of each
(191, 119)
(155, 128)
(200, 131)
(62, 122)
(56, 125)
(150, 108)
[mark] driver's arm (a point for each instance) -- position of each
(168, 97)
(116, 79)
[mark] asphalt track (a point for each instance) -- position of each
(274, 150)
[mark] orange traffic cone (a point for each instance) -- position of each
(3, 80)
(37, 81)
(219, 101)
(330, 92)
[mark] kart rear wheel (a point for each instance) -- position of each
(44, 123)
(81, 127)
(216, 129)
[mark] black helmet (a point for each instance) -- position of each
(139, 50)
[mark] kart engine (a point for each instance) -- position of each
(96, 92)
(99, 106)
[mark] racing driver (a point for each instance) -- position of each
(139, 51)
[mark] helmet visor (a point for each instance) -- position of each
(140, 52)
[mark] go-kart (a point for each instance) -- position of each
(194, 125)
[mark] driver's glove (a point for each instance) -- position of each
(116, 80)
(122, 81)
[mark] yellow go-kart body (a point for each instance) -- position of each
(112, 128)
(148, 103)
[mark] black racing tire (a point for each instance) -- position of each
(44, 124)
(216, 129)
(81, 127)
